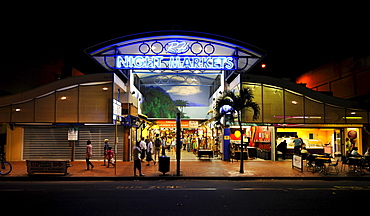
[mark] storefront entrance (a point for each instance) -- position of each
(323, 140)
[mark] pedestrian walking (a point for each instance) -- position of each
(142, 146)
(149, 152)
(89, 155)
(157, 147)
(106, 147)
(110, 156)
(136, 151)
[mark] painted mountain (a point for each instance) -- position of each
(158, 103)
(165, 102)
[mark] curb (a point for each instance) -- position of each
(172, 178)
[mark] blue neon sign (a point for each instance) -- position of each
(177, 47)
(174, 62)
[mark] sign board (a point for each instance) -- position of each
(297, 162)
(172, 124)
(72, 134)
(54, 166)
(189, 51)
(117, 109)
(174, 62)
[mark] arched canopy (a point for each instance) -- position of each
(154, 54)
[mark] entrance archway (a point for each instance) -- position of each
(176, 71)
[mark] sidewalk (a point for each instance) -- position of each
(191, 167)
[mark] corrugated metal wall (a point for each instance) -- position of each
(52, 143)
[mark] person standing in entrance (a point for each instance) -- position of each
(106, 148)
(89, 155)
(164, 146)
(157, 146)
(136, 151)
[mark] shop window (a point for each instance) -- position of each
(45, 109)
(256, 89)
(293, 107)
(356, 116)
(314, 111)
(23, 112)
(273, 107)
(95, 104)
(67, 105)
(334, 114)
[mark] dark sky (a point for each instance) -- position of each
(296, 38)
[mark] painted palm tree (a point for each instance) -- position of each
(229, 103)
(181, 104)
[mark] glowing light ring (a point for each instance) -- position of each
(213, 49)
(160, 44)
(141, 46)
(192, 49)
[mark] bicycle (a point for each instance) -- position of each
(5, 167)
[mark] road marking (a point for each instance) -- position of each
(334, 188)
(198, 189)
(164, 187)
(257, 189)
(11, 189)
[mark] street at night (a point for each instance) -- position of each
(148, 110)
(184, 197)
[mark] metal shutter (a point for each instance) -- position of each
(46, 143)
(52, 143)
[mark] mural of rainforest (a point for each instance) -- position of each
(166, 101)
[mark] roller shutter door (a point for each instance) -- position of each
(52, 143)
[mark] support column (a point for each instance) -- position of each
(126, 144)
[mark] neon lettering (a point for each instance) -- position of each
(177, 47)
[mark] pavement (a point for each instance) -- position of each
(190, 168)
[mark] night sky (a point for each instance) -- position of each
(297, 38)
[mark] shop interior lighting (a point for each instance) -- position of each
(63, 98)
(294, 102)
(105, 88)
(17, 109)
(353, 117)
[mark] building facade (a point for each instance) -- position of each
(152, 76)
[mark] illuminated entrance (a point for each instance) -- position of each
(176, 72)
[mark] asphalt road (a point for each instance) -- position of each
(267, 197)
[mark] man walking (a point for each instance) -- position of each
(142, 146)
(136, 151)
(157, 147)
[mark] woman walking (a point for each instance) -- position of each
(89, 155)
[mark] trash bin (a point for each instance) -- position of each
(164, 164)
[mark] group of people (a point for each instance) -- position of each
(299, 147)
(108, 154)
(144, 150)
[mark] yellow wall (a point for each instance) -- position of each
(14, 144)
(323, 134)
